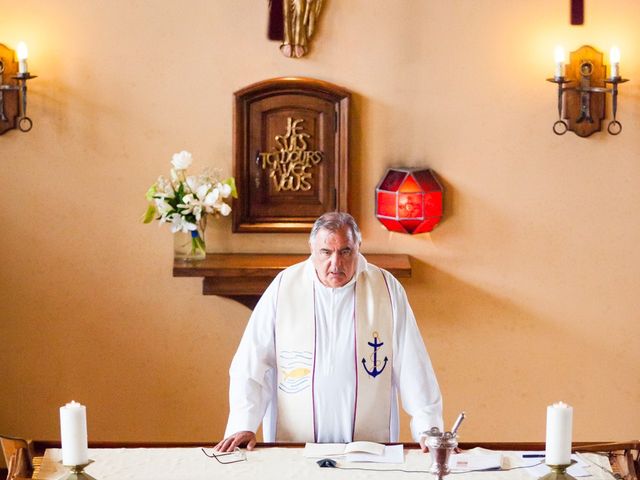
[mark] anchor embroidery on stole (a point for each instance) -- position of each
(374, 372)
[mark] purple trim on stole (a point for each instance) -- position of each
(392, 339)
(275, 351)
(355, 360)
(313, 375)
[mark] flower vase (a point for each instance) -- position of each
(189, 246)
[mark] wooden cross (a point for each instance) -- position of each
(577, 12)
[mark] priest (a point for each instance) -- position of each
(328, 349)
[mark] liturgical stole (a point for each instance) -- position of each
(296, 350)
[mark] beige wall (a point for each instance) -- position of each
(526, 294)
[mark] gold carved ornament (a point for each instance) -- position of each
(290, 166)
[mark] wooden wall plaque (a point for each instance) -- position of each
(290, 154)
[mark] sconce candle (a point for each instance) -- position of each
(581, 94)
(614, 58)
(559, 59)
(558, 442)
(13, 89)
(73, 434)
(23, 53)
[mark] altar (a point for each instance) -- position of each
(191, 463)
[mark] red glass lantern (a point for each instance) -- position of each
(409, 200)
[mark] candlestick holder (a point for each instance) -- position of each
(13, 94)
(77, 472)
(560, 126)
(614, 127)
(558, 472)
(582, 93)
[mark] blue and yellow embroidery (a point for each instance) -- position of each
(296, 368)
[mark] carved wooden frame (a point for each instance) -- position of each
(268, 201)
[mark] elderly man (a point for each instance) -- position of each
(326, 351)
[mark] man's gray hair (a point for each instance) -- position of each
(334, 221)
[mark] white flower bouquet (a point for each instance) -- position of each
(185, 201)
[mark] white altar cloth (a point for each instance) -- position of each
(265, 463)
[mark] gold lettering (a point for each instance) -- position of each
(304, 184)
(291, 163)
(282, 143)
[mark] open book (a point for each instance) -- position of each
(321, 450)
(356, 451)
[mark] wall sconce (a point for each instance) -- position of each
(13, 95)
(582, 92)
(409, 200)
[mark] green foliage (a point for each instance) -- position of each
(232, 183)
(150, 214)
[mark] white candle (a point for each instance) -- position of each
(559, 424)
(23, 53)
(73, 433)
(558, 55)
(614, 57)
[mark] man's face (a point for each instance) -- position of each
(334, 256)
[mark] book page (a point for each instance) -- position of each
(391, 454)
(364, 447)
(322, 450)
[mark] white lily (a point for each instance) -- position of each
(197, 212)
(186, 200)
(162, 206)
(164, 189)
(225, 209)
(202, 191)
(210, 200)
(225, 190)
(202, 202)
(180, 224)
(194, 182)
(189, 202)
(181, 160)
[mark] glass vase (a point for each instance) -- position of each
(189, 246)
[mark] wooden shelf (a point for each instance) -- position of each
(245, 276)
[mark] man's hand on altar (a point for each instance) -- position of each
(238, 439)
(423, 445)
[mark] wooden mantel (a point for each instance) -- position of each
(245, 276)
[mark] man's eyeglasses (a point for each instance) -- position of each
(228, 457)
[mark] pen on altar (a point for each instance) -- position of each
(533, 455)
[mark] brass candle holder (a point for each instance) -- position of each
(77, 472)
(558, 472)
